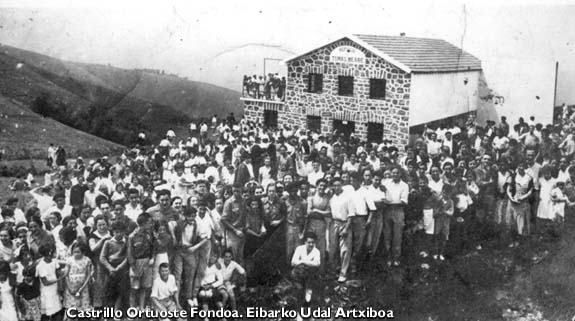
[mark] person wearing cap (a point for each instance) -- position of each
(234, 223)
(245, 171)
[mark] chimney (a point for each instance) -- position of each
(402, 34)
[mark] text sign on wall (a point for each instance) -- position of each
(348, 55)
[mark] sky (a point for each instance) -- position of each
(519, 42)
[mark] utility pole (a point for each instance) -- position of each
(271, 59)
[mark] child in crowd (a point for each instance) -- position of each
(114, 258)
(165, 293)
(8, 310)
(77, 294)
(47, 270)
(141, 260)
(442, 214)
(28, 296)
(162, 247)
(559, 199)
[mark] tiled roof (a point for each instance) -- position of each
(423, 54)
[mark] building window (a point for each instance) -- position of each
(374, 132)
(314, 123)
(345, 85)
(270, 118)
(377, 88)
(315, 83)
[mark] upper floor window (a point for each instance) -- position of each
(345, 85)
(315, 83)
(377, 88)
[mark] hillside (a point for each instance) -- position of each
(25, 135)
(194, 99)
(108, 102)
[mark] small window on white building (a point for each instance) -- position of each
(315, 83)
(377, 88)
(345, 85)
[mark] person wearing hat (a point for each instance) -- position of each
(234, 223)
(245, 171)
(296, 208)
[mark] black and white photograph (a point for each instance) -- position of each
(287, 160)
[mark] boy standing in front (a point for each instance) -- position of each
(141, 259)
(114, 258)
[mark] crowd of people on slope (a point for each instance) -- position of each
(270, 87)
(177, 222)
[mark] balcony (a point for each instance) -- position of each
(267, 88)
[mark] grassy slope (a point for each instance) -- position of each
(195, 99)
(27, 135)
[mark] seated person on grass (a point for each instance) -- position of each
(165, 293)
(306, 263)
(233, 274)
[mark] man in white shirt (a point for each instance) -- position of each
(394, 218)
(363, 204)
(229, 268)
(60, 206)
(306, 261)
(375, 220)
(341, 238)
(315, 174)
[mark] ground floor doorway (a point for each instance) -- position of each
(374, 132)
(270, 118)
(343, 127)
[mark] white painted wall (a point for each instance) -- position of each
(442, 95)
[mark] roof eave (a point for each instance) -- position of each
(439, 71)
(381, 54)
(310, 51)
(361, 43)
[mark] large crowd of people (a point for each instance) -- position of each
(176, 222)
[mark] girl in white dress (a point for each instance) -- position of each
(7, 283)
(46, 270)
(546, 184)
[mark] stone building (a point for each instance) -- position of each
(376, 87)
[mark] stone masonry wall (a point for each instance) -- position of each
(254, 109)
(392, 111)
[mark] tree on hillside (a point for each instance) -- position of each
(42, 105)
